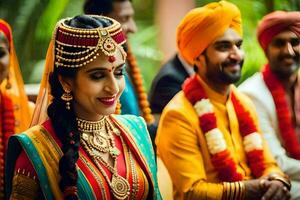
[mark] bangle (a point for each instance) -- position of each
(285, 180)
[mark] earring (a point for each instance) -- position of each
(8, 83)
(118, 107)
(67, 97)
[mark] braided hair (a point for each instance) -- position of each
(64, 120)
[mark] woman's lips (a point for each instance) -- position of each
(107, 100)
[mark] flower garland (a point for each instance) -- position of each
(220, 155)
(137, 80)
(7, 126)
(286, 127)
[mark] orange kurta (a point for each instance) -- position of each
(182, 146)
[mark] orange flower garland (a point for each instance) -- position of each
(137, 80)
(220, 155)
(286, 127)
(7, 126)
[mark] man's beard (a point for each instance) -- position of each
(285, 72)
(222, 76)
(228, 77)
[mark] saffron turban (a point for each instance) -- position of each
(276, 22)
(201, 26)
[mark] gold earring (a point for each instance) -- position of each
(67, 97)
(118, 107)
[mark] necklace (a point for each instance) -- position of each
(285, 124)
(119, 186)
(220, 156)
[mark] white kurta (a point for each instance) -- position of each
(256, 89)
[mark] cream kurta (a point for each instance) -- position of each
(182, 145)
(256, 89)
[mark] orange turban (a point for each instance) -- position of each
(201, 26)
(276, 22)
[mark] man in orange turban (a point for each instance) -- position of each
(208, 136)
(275, 91)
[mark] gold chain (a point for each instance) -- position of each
(91, 143)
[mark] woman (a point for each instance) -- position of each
(15, 112)
(83, 151)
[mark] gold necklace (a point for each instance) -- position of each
(93, 134)
(119, 186)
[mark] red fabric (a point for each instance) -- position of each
(4, 27)
(208, 122)
(276, 22)
(284, 116)
(91, 178)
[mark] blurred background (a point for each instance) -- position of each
(33, 21)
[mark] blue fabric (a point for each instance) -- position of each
(129, 102)
(84, 190)
(139, 133)
(32, 153)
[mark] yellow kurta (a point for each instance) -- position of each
(182, 146)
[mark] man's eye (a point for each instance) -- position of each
(223, 46)
(295, 42)
(278, 43)
(2, 53)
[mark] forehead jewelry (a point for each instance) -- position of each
(76, 47)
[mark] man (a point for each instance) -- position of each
(134, 98)
(168, 82)
(208, 136)
(275, 91)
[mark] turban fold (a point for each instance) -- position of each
(276, 22)
(201, 26)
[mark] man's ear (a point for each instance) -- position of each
(65, 83)
(199, 62)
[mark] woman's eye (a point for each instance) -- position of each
(96, 76)
(120, 72)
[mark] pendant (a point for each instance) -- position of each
(120, 187)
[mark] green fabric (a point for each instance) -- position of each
(14, 149)
(139, 133)
(12, 155)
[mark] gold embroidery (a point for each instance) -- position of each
(24, 186)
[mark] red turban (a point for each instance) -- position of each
(5, 28)
(201, 26)
(276, 22)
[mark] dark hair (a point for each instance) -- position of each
(99, 7)
(63, 120)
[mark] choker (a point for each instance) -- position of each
(90, 126)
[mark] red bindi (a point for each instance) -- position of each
(111, 59)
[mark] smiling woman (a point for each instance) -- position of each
(81, 150)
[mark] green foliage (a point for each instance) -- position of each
(33, 22)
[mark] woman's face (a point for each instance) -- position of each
(98, 86)
(4, 58)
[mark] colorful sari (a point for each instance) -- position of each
(41, 147)
(15, 110)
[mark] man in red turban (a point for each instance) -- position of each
(208, 137)
(275, 90)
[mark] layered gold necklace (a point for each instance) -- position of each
(97, 138)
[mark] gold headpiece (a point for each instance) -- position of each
(87, 43)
